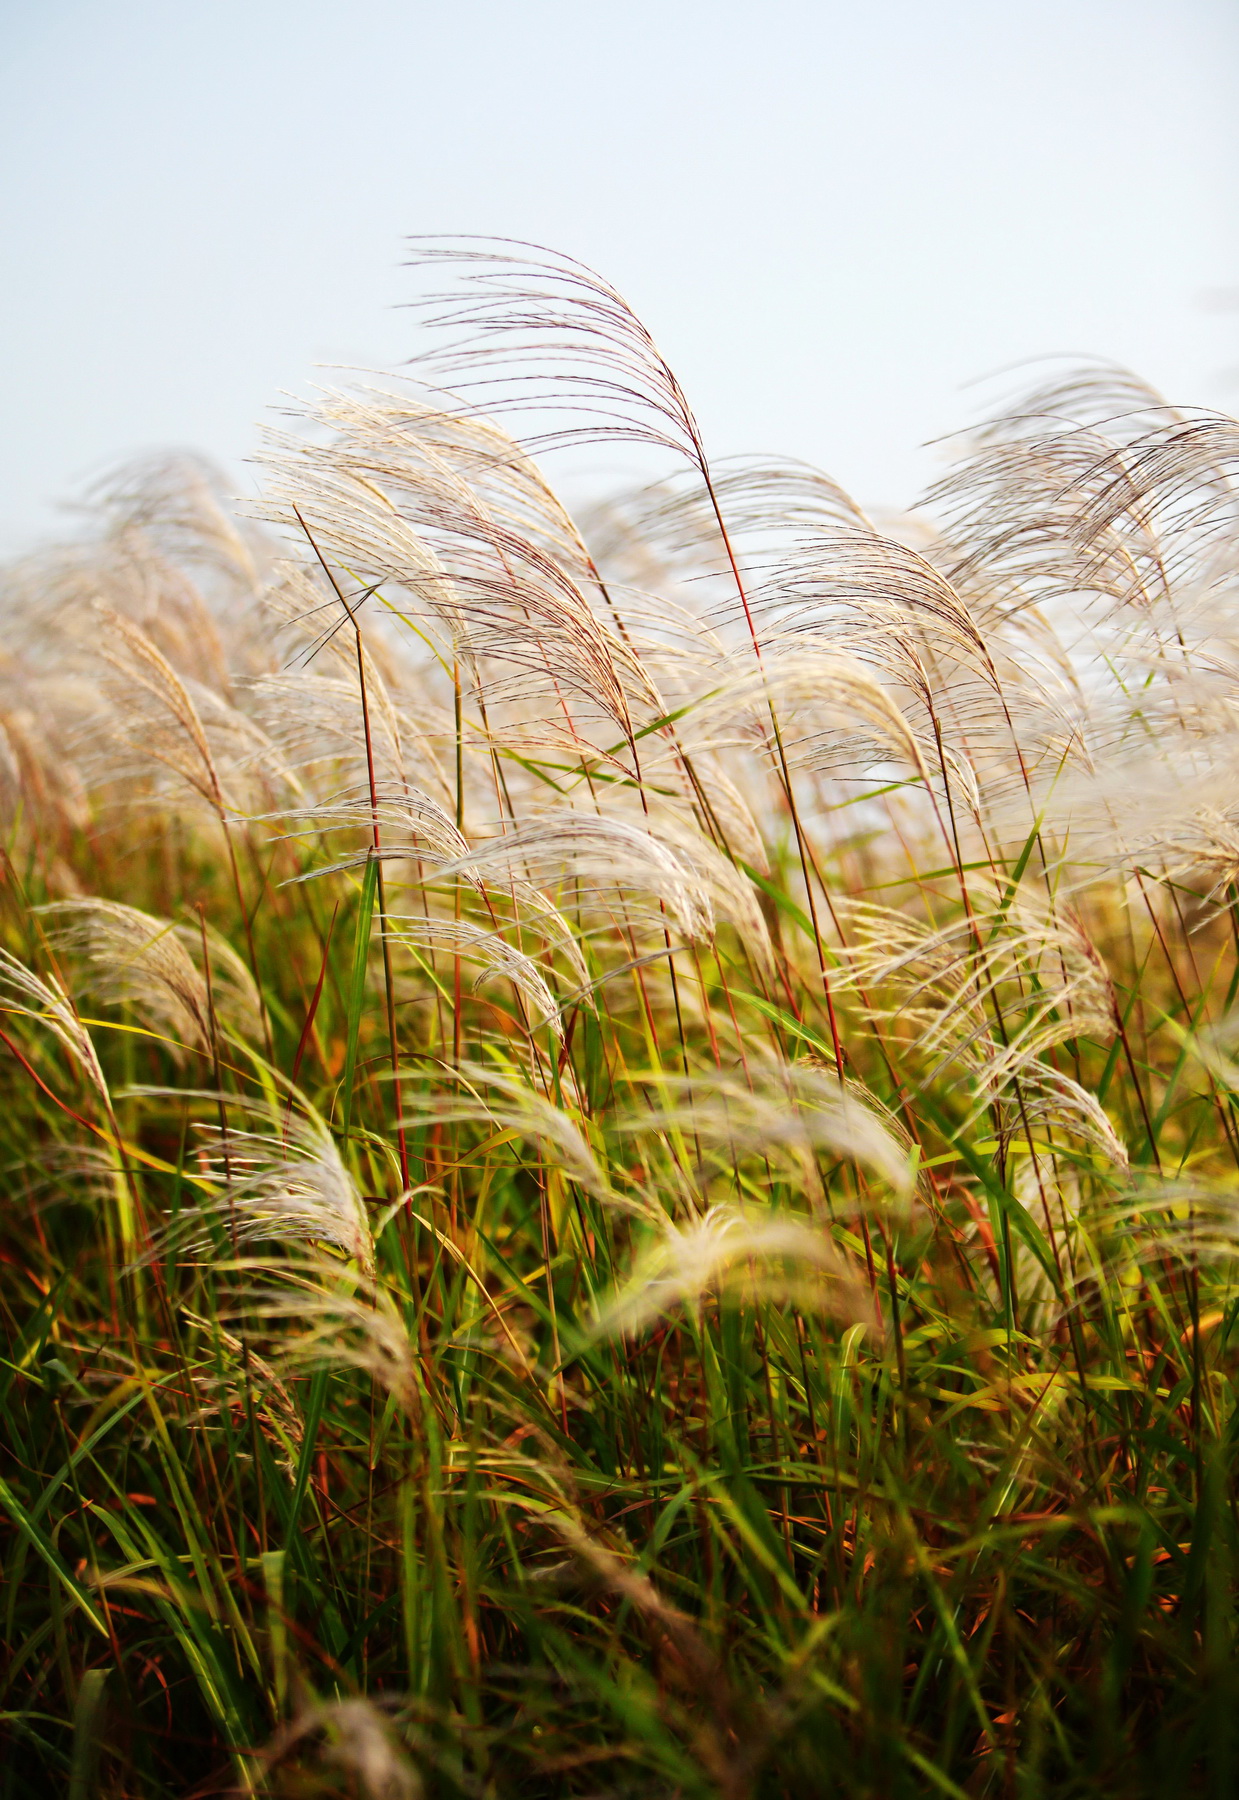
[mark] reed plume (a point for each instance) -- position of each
(662, 1080)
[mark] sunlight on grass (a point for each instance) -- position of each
(621, 1132)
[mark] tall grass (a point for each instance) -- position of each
(620, 1136)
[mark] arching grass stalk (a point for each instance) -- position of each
(376, 844)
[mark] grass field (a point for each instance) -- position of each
(619, 1133)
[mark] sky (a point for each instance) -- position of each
(834, 217)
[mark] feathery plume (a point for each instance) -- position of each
(795, 1108)
(43, 1001)
(129, 958)
(798, 1263)
(293, 1188)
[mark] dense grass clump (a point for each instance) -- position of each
(620, 1137)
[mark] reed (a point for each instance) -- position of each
(620, 1132)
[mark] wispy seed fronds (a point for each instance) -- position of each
(158, 718)
(460, 937)
(871, 597)
(785, 1107)
(772, 1254)
(1091, 391)
(131, 958)
(503, 1102)
(44, 1002)
(384, 504)
(413, 824)
(293, 1188)
(684, 873)
(533, 331)
(830, 710)
(346, 1322)
(991, 989)
(1049, 1100)
(177, 503)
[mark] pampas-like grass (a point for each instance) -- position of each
(129, 958)
(641, 1105)
(289, 1188)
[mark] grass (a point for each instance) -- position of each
(620, 1144)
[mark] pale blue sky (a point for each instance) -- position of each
(832, 216)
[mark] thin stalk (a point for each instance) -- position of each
(376, 840)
